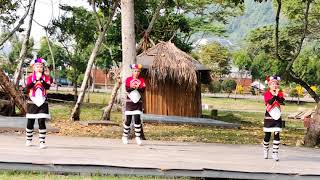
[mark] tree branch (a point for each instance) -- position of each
(304, 34)
(199, 40)
(21, 21)
(277, 30)
(304, 85)
(24, 47)
(96, 14)
(38, 23)
(106, 24)
(154, 17)
(173, 35)
(151, 24)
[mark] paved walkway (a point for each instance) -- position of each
(110, 156)
(153, 118)
(20, 124)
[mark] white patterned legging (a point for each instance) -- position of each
(137, 125)
(42, 129)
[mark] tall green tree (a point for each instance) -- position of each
(242, 60)
(286, 44)
(217, 58)
(307, 65)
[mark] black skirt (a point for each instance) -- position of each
(133, 108)
(35, 112)
(272, 125)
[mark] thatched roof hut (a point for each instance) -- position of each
(173, 81)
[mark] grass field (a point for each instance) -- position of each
(229, 110)
(251, 104)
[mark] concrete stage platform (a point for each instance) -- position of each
(109, 156)
(19, 124)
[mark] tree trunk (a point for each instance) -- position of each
(75, 115)
(15, 94)
(312, 137)
(106, 81)
(107, 110)
(24, 48)
(150, 26)
(128, 42)
(306, 86)
(88, 90)
(128, 46)
(75, 83)
(93, 79)
(75, 90)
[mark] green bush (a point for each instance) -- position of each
(293, 93)
(214, 87)
(228, 85)
(318, 90)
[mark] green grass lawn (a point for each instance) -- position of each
(19, 175)
(251, 104)
(232, 111)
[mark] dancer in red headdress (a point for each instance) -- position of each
(135, 86)
(273, 98)
(37, 84)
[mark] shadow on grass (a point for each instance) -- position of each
(232, 118)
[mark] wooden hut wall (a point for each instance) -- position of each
(172, 99)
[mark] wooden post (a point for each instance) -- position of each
(214, 113)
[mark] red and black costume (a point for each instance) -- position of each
(271, 101)
(131, 107)
(134, 109)
(37, 104)
(272, 119)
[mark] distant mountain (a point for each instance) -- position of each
(255, 15)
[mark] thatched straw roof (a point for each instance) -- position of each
(166, 61)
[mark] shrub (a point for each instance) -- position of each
(299, 91)
(239, 89)
(318, 91)
(293, 93)
(228, 85)
(214, 87)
